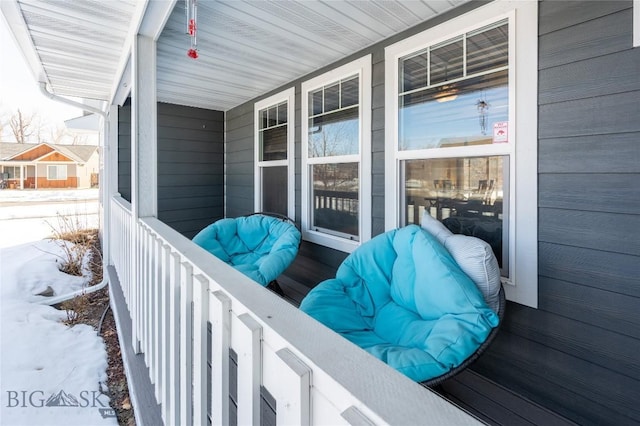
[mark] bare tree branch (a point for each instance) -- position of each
(22, 126)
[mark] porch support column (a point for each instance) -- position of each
(22, 176)
(144, 163)
(144, 150)
(108, 175)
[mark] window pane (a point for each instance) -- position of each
(272, 117)
(488, 49)
(335, 199)
(335, 133)
(332, 97)
(463, 114)
(263, 119)
(274, 144)
(414, 72)
(282, 113)
(274, 189)
(350, 92)
(468, 195)
(315, 102)
(446, 62)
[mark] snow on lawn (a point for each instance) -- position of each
(51, 373)
(30, 215)
(35, 195)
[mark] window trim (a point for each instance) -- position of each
(636, 23)
(288, 96)
(66, 171)
(523, 122)
(362, 67)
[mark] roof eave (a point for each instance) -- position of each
(13, 15)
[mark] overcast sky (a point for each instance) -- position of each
(19, 89)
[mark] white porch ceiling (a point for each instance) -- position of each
(76, 45)
(247, 47)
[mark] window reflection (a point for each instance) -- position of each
(273, 132)
(427, 119)
(334, 118)
(469, 195)
(452, 93)
(274, 189)
(335, 199)
(335, 133)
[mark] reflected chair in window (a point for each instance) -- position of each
(403, 298)
(485, 190)
(260, 245)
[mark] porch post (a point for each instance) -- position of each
(144, 151)
(22, 176)
(144, 156)
(108, 176)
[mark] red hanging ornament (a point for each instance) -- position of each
(192, 53)
(192, 16)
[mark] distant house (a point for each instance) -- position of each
(47, 165)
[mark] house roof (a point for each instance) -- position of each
(77, 153)
(247, 48)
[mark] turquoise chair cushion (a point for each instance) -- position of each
(402, 298)
(259, 246)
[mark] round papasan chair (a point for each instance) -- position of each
(260, 245)
(403, 298)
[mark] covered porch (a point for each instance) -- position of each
(203, 343)
(215, 347)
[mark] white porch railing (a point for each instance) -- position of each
(315, 376)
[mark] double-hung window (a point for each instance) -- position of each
(336, 156)
(57, 172)
(274, 179)
(461, 134)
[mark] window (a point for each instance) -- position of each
(461, 145)
(57, 172)
(274, 179)
(11, 172)
(336, 135)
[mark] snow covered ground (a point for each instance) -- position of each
(50, 373)
(29, 215)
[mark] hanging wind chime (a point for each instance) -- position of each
(483, 114)
(191, 8)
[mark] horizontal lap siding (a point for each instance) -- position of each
(577, 354)
(190, 167)
(124, 150)
(239, 161)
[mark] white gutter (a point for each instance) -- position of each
(43, 89)
(105, 281)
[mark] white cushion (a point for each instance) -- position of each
(474, 256)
